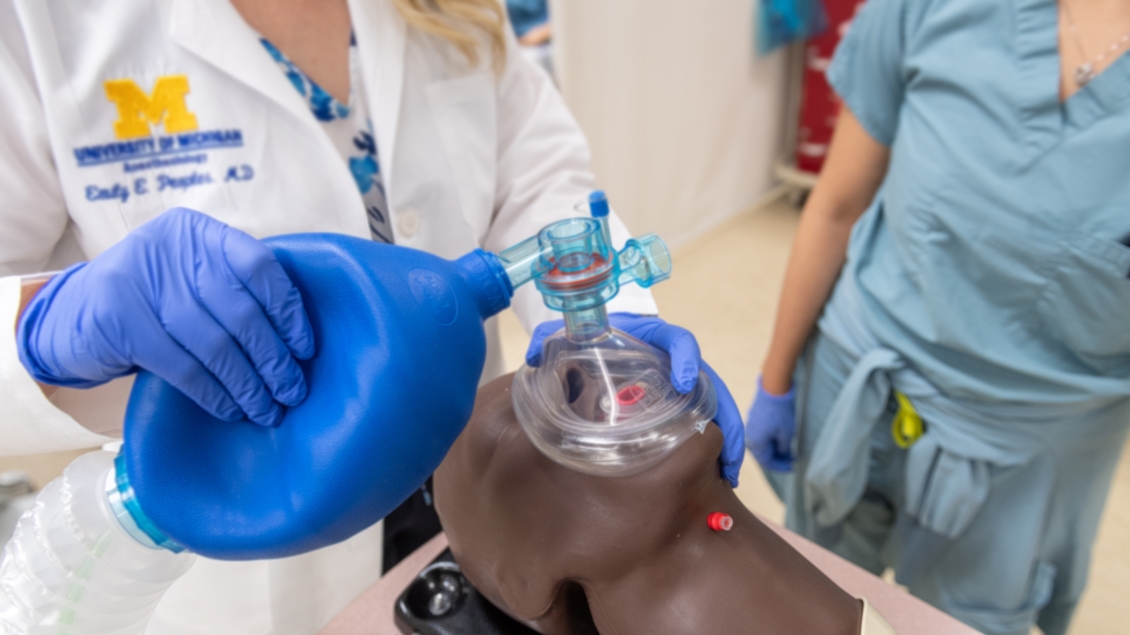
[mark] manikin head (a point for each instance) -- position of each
(573, 553)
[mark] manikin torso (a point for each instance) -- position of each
(572, 554)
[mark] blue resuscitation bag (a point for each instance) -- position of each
(400, 348)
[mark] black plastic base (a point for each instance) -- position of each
(440, 601)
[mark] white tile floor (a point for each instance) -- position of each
(725, 289)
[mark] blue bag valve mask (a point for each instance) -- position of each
(400, 350)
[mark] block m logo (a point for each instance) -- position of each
(136, 110)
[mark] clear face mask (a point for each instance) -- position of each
(601, 402)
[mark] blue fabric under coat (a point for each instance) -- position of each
(350, 130)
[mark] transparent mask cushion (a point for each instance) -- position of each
(607, 406)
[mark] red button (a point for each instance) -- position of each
(720, 522)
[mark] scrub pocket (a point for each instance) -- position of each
(1018, 621)
(1086, 303)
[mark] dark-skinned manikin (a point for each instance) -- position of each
(575, 554)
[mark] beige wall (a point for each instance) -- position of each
(683, 119)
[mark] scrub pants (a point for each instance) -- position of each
(1023, 560)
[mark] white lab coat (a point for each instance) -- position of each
(470, 160)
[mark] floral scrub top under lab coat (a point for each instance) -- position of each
(994, 257)
(350, 129)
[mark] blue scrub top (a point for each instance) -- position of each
(994, 257)
(527, 14)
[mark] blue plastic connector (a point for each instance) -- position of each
(598, 207)
(133, 520)
(598, 204)
(486, 276)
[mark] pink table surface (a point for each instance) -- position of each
(372, 612)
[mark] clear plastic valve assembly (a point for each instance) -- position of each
(601, 401)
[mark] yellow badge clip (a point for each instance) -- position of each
(906, 427)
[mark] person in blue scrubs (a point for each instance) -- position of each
(947, 391)
(530, 21)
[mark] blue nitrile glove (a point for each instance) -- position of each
(770, 427)
(200, 304)
(686, 360)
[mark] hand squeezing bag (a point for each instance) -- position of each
(400, 347)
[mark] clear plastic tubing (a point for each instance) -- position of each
(73, 567)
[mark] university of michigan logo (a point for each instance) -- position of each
(159, 146)
(137, 110)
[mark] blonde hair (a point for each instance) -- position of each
(463, 23)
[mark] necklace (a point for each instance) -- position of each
(1085, 72)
